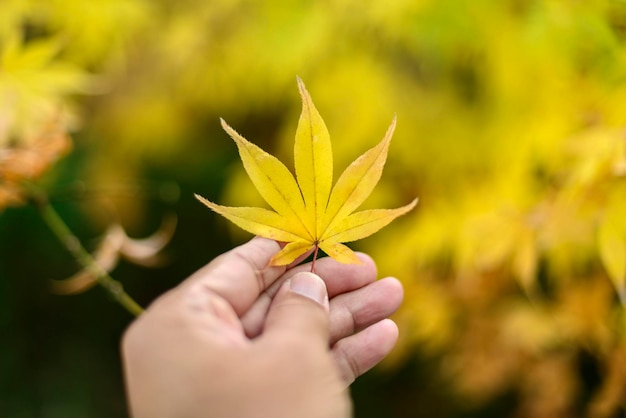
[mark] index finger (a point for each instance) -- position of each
(241, 274)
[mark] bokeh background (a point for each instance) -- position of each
(511, 131)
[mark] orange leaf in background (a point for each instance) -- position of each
(28, 161)
(309, 213)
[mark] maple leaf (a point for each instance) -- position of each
(310, 214)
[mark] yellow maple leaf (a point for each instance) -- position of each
(309, 214)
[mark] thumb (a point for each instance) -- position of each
(300, 307)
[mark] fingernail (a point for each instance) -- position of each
(309, 285)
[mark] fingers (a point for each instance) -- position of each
(240, 275)
(339, 278)
(360, 352)
(363, 312)
(300, 309)
(353, 311)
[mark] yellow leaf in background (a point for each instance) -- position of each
(34, 86)
(309, 214)
(612, 247)
(524, 262)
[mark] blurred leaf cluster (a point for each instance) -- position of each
(511, 130)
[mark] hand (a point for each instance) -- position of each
(239, 339)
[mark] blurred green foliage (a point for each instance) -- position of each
(511, 130)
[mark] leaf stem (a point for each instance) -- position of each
(74, 246)
(314, 258)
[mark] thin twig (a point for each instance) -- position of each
(74, 246)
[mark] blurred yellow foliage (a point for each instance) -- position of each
(33, 86)
(511, 130)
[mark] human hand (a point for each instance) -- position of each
(238, 339)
